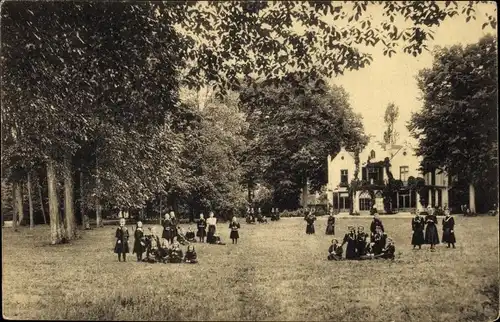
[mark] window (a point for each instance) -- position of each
(365, 201)
(343, 176)
(403, 173)
(373, 174)
(372, 154)
(404, 200)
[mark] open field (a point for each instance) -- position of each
(276, 272)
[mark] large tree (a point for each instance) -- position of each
(297, 124)
(390, 118)
(457, 127)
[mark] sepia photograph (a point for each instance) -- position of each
(249, 160)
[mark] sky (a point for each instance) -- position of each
(393, 79)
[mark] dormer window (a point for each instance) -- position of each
(372, 154)
(404, 153)
(342, 158)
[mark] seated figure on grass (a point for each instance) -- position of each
(190, 235)
(181, 236)
(335, 251)
(175, 254)
(388, 252)
(216, 240)
(153, 246)
(190, 257)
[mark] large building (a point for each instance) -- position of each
(404, 164)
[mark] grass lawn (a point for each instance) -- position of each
(276, 272)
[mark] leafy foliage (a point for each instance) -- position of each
(294, 127)
(457, 127)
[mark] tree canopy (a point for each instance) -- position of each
(457, 127)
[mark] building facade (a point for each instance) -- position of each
(403, 165)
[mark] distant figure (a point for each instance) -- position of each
(139, 242)
(330, 224)
(389, 251)
(431, 233)
(167, 234)
(173, 227)
(350, 240)
(310, 218)
(373, 210)
(121, 246)
(211, 222)
(175, 255)
(376, 222)
(190, 257)
(361, 237)
(448, 230)
(201, 233)
(335, 251)
(379, 241)
(234, 226)
(190, 235)
(417, 227)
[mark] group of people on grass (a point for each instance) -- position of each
(428, 219)
(167, 248)
(359, 247)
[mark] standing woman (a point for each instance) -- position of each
(167, 229)
(211, 222)
(310, 219)
(173, 227)
(234, 226)
(330, 224)
(350, 240)
(201, 233)
(139, 241)
(417, 227)
(431, 233)
(448, 229)
(121, 245)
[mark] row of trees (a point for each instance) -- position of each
(91, 102)
(457, 128)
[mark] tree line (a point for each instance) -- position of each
(103, 105)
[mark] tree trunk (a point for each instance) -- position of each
(19, 203)
(30, 201)
(472, 198)
(305, 194)
(160, 207)
(69, 212)
(14, 205)
(82, 209)
(98, 215)
(55, 225)
(42, 206)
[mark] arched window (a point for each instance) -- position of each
(372, 154)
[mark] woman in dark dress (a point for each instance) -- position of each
(431, 232)
(212, 224)
(361, 237)
(190, 235)
(190, 257)
(201, 233)
(350, 240)
(234, 226)
(173, 227)
(379, 241)
(417, 227)
(121, 245)
(330, 224)
(335, 251)
(448, 230)
(139, 242)
(167, 229)
(310, 219)
(376, 222)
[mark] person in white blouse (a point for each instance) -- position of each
(211, 223)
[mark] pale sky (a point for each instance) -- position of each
(393, 79)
